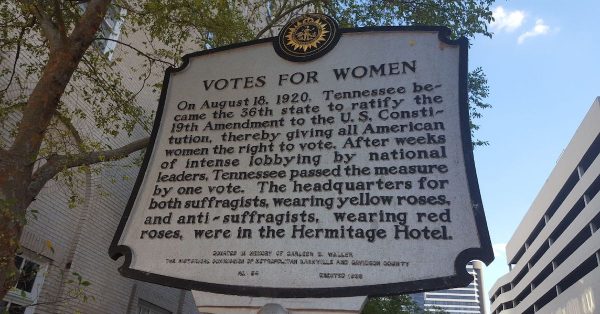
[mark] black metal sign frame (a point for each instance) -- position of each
(461, 277)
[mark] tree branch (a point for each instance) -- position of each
(113, 94)
(52, 302)
(144, 81)
(136, 50)
(281, 15)
(69, 125)
(88, 24)
(77, 1)
(17, 55)
(62, 29)
(49, 30)
(45, 97)
(58, 163)
(3, 154)
(130, 9)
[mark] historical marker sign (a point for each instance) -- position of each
(320, 163)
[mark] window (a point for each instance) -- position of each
(110, 29)
(210, 36)
(145, 307)
(26, 291)
(11, 308)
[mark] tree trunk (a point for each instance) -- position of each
(17, 163)
(9, 244)
(13, 206)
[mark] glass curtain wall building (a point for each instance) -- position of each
(466, 300)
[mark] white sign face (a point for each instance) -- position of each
(350, 174)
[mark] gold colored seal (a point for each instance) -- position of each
(306, 34)
(307, 37)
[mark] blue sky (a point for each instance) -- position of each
(543, 68)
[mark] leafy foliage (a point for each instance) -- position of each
(478, 92)
(465, 18)
(108, 101)
(401, 304)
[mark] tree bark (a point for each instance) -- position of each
(13, 205)
(17, 163)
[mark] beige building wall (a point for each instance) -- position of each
(554, 255)
(64, 240)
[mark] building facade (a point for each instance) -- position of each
(555, 252)
(64, 263)
(466, 300)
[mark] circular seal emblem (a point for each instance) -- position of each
(307, 37)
